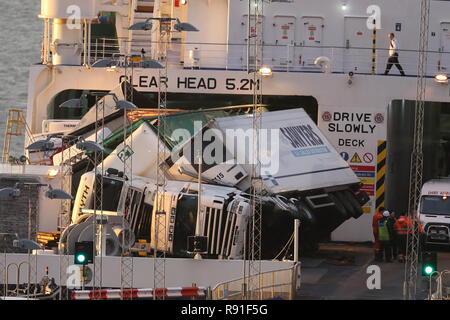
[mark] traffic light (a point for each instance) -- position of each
(429, 263)
(84, 252)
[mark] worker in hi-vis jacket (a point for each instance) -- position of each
(385, 237)
(378, 215)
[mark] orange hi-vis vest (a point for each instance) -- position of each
(402, 224)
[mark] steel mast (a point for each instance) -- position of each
(126, 258)
(254, 61)
(416, 174)
(160, 247)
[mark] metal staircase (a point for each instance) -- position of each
(16, 126)
(141, 39)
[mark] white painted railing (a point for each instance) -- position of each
(279, 284)
(439, 285)
(285, 58)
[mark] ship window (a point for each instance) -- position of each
(435, 205)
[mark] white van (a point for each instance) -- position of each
(434, 211)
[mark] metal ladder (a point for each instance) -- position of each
(140, 39)
(16, 126)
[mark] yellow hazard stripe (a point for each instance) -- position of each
(367, 180)
(367, 209)
(374, 47)
(381, 173)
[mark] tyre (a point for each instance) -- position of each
(339, 206)
(347, 205)
(349, 196)
(306, 215)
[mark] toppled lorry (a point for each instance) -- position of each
(301, 177)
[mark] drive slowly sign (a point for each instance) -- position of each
(355, 136)
(354, 133)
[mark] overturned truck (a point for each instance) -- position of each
(301, 176)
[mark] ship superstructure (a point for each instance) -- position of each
(326, 57)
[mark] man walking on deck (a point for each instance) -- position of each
(393, 55)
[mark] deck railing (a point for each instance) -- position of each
(439, 285)
(278, 284)
(291, 58)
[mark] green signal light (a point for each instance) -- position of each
(429, 270)
(81, 258)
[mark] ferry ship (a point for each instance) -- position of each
(326, 57)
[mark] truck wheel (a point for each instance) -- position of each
(348, 206)
(339, 206)
(354, 203)
(306, 215)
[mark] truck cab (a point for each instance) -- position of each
(434, 211)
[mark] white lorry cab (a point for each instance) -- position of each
(434, 211)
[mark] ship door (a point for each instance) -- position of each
(284, 41)
(445, 47)
(357, 45)
(312, 29)
(245, 34)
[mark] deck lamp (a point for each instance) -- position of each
(57, 194)
(42, 145)
(86, 145)
(184, 26)
(26, 244)
(441, 78)
(120, 104)
(265, 71)
(53, 172)
(9, 193)
(179, 26)
(145, 25)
